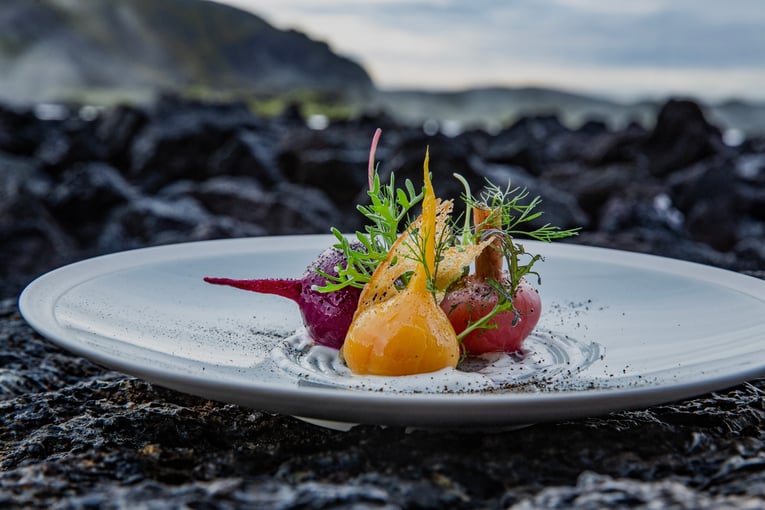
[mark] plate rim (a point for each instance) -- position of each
(417, 409)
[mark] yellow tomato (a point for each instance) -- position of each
(407, 334)
(403, 332)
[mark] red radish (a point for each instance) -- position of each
(473, 297)
(326, 316)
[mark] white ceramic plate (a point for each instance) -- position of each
(656, 330)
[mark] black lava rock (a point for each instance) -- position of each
(73, 435)
(177, 170)
(77, 436)
(182, 138)
(682, 136)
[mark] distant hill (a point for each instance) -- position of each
(52, 49)
(498, 106)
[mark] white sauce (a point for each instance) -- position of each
(546, 359)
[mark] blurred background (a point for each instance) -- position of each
(481, 63)
(127, 123)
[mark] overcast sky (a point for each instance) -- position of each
(647, 48)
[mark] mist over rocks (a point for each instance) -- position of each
(180, 170)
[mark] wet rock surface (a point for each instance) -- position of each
(75, 435)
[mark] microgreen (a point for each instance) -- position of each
(387, 211)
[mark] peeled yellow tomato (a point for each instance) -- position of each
(402, 332)
(407, 334)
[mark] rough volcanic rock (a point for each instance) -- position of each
(447, 156)
(84, 196)
(71, 141)
(150, 221)
(140, 169)
(116, 129)
(32, 239)
(682, 136)
(286, 209)
(247, 152)
(527, 143)
(560, 206)
(20, 131)
(326, 162)
(74, 435)
(182, 139)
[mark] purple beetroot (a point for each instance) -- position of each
(326, 315)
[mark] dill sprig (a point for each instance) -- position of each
(387, 211)
(508, 212)
(510, 204)
(510, 209)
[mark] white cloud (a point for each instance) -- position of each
(622, 8)
(711, 49)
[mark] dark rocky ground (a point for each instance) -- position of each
(74, 435)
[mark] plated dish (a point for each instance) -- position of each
(619, 330)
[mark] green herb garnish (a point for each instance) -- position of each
(388, 212)
(388, 209)
(510, 212)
